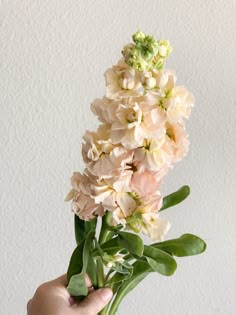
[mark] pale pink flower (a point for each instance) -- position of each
(145, 183)
(179, 104)
(111, 164)
(175, 101)
(177, 140)
(99, 108)
(115, 197)
(126, 127)
(133, 121)
(153, 154)
(122, 81)
(83, 204)
(165, 80)
(96, 144)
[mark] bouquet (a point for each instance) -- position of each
(141, 134)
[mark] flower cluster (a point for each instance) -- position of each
(141, 135)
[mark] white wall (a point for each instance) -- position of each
(52, 58)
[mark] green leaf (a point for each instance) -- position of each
(140, 271)
(76, 263)
(77, 285)
(175, 198)
(185, 245)
(82, 228)
(123, 268)
(91, 271)
(112, 246)
(160, 261)
(77, 267)
(132, 242)
(123, 272)
(79, 229)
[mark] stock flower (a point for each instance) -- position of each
(177, 140)
(111, 191)
(146, 52)
(179, 104)
(145, 183)
(141, 135)
(154, 226)
(126, 126)
(83, 204)
(96, 144)
(165, 80)
(131, 121)
(122, 81)
(99, 108)
(104, 159)
(111, 164)
(153, 154)
(146, 186)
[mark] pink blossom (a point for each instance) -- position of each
(122, 81)
(177, 140)
(83, 204)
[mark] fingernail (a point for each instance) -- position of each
(106, 294)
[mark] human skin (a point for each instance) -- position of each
(52, 298)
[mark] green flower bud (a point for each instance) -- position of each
(138, 37)
(146, 52)
(151, 45)
(164, 48)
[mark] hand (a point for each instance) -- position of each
(52, 298)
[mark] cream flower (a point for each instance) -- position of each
(177, 140)
(122, 81)
(154, 226)
(113, 194)
(141, 135)
(103, 159)
(99, 108)
(126, 126)
(153, 154)
(111, 164)
(179, 104)
(132, 121)
(83, 204)
(96, 144)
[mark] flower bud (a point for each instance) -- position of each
(118, 258)
(164, 48)
(150, 83)
(138, 37)
(127, 84)
(110, 264)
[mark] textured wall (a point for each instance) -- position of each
(52, 58)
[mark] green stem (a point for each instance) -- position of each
(104, 310)
(92, 271)
(115, 304)
(105, 233)
(100, 273)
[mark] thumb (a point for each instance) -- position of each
(96, 301)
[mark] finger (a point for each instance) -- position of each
(62, 280)
(96, 301)
(28, 305)
(88, 281)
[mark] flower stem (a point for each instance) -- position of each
(105, 310)
(105, 232)
(100, 273)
